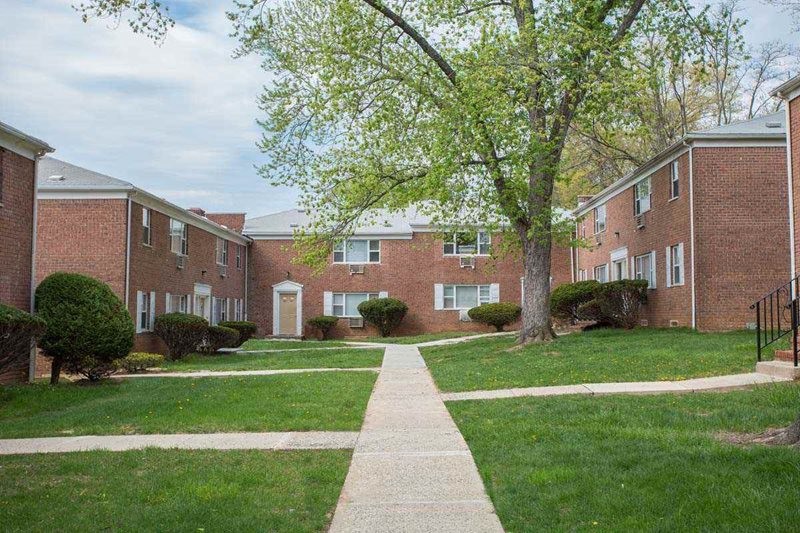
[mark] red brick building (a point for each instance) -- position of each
(156, 256)
(404, 258)
(706, 222)
(19, 156)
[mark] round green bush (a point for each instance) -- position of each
(383, 313)
(88, 326)
(18, 330)
(246, 329)
(139, 362)
(323, 323)
(498, 315)
(220, 337)
(566, 300)
(182, 333)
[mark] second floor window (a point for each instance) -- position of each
(641, 194)
(146, 232)
(600, 218)
(239, 256)
(222, 251)
(465, 243)
(179, 237)
(357, 251)
(674, 180)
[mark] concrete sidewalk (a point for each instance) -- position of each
(228, 373)
(309, 440)
(411, 469)
(712, 384)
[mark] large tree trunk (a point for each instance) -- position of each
(789, 435)
(55, 370)
(536, 324)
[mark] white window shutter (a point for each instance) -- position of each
(632, 271)
(680, 255)
(227, 309)
(137, 319)
(189, 304)
(383, 294)
(168, 301)
(653, 270)
(152, 310)
(438, 296)
(669, 268)
(327, 303)
(213, 314)
(494, 293)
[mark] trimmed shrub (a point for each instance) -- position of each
(88, 326)
(220, 337)
(383, 313)
(18, 330)
(566, 300)
(619, 302)
(246, 329)
(498, 315)
(139, 362)
(182, 333)
(324, 324)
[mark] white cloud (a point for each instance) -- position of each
(178, 119)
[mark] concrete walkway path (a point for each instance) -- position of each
(411, 468)
(309, 440)
(354, 346)
(228, 373)
(712, 384)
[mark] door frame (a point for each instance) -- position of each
(287, 287)
(201, 290)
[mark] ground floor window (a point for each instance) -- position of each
(220, 310)
(644, 266)
(345, 304)
(145, 311)
(177, 303)
(466, 296)
(581, 275)
(601, 273)
(619, 269)
(237, 310)
(675, 270)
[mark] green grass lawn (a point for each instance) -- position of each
(333, 401)
(416, 339)
(591, 357)
(636, 463)
(353, 358)
(170, 490)
(272, 344)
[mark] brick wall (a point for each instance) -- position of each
(408, 271)
(794, 134)
(666, 224)
(741, 231)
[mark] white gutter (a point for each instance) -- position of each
(691, 233)
(792, 258)
(128, 256)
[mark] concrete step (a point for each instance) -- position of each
(779, 369)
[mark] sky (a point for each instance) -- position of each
(178, 120)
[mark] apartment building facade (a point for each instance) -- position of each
(706, 222)
(156, 256)
(19, 156)
(405, 258)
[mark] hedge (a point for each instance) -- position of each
(383, 313)
(139, 362)
(181, 332)
(498, 315)
(18, 330)
(565, 300)
(246, 329)
(220, 337)
(323, 323)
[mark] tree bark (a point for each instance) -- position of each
(536, 324)
(55, 370)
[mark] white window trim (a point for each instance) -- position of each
(478, 241)
(637, 210)
(439, 298)
(222, 252)
(149, 226)
(238, 256)
(596, 219)
(674, 176)
(670, 265)
(343, 245)
(344, 302)
(652, 274)
(184, 241)
(606, 269)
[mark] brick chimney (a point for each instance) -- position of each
(232, 221)
(197, 211)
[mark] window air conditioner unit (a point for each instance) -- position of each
(357, 322)
(180, 262)
(467, 261)
(640, 221)
(463, 315)
(223, 270)
(356, 269)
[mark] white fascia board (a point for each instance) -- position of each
(268, 236)
(23, 145)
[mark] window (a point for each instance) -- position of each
(220, 310)
(465, 296)
(357, 251)
(601, 273)
(183, 304)
(345, 304)
(464, 243)
(619, 269)
(179, 237)
(641, 193)
(238, 256)
(145, 309)
(222, 251)
(600, 218)
(644, 268)
(177, 303)
(674, 182)
(146, 233)
(237, 309)
(675, 265)
(581, 275)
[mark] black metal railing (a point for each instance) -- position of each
(777, 315)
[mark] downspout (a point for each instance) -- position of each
(691, 231)
(790, 193)
(246, 261)
(34, 230)
(128, 255)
